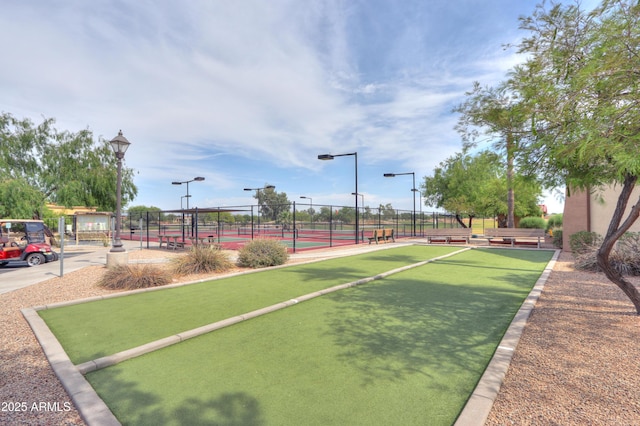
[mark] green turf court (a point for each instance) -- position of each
(91, 330)
(405, 350)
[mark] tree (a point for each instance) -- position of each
(271, 202)
(62, 167)
(20, 200)
(469, 185)
(581, 84)
(135, 213)
(499, 113)
(387, 212)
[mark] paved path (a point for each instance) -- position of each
(75, 257)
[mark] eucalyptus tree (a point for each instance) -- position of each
(271, 202)
(495, 115)
(581, 84)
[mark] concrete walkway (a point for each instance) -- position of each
(75, 257)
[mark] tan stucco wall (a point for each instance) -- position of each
(584, 212)
(602, 212)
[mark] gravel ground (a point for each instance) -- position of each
(576, 364)
(578, 360)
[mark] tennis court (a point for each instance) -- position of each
(234, 239)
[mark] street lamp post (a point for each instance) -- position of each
(258, 197)
(413, 189)
(182, 198)
(421, 218)
(119, 144)
(311, 201)
(195, 179)
(361, 195)
(325, 157)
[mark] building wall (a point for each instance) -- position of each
(593, 212)
(576, 215)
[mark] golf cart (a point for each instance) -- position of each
(24, 241)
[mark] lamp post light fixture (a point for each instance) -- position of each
(195, 179)
(260, 189)
(119, 144)
(413, 189)
(360, 195)
(325, 157)
(311, 201)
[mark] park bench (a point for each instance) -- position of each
(515, 236)
(382, 235)
(449, 235)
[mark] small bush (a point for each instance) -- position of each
(262, 252)
(624, 258)
(584, 241)
(554, 221)
(202, 259)
(131, 277)
(532, 222)
(557, 238)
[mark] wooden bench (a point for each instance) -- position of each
(515, 236)
(382, 235)
(447, 236)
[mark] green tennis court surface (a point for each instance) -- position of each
(405, 350)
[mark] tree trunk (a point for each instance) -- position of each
(511, 221)
(460, 221)
(614, 232)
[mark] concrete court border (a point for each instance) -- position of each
(94, 411)
(478, 406)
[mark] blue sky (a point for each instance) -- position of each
(247, 93)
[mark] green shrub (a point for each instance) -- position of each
(532, 222)
(557, 238)
(262, 252)
(131, 277)
(554, 221)
(584, 241)
(202, 259)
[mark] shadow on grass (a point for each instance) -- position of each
(368, 264)
(412, 326)
(133, 406)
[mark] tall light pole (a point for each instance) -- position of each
(119, 144)
(258, 197)
(195, 179)
(360, 195)
(325, 157)
(413, 189)
(421, 218)
(311, 201)
(182, 198)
